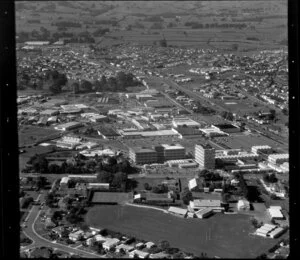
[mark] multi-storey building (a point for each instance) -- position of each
(205, 156)
(143, 155)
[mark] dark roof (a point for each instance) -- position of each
(109, 197)
(225, 126)
(107, 131)
(188, 131)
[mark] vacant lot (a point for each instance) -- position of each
(226, 236)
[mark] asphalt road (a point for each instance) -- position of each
(39, 241)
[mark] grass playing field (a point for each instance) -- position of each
(226, 236)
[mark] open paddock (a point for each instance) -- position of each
(226, 236)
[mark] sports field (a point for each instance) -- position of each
(226, 236)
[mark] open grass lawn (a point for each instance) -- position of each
(229, 234)
(241, 140)
(31, 134)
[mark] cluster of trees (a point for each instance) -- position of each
(186, 196)
(66, 24)
(196, 25)
(111, 84)
(153, 18)
(160, 188)
(111, 22)
(156, 26)
(116, 84)
(203, 110)
(252, 39)
(270, 178)
(33, 21)
(227, 115)
(55, 81)
(100, 32)
(26, 202)
(210, 176)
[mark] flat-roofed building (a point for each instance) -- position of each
(110, 243)
(173, 152)
(68, 126)
(205, 156)
(188, 132)
(75, 236)
(228, 128)
(183, 164)
(64, 182)
(261, 148)
(275, 212)
(100, 186)
(276, 232)
(107, 133)
(49, 112)
(193, 184)
(84, 176)
(143, 155)
(69, 142)
(138, 253)
(278, 158)
(178, 211)
(215, 205)
(125, 248)
(185, 121)
(37, 43)
(243, 205)
(203, 213)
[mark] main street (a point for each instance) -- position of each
(39, 241)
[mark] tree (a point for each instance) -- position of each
(75, 87)
(105, 177)
(186, 196)
(49, 199)
(41, 182)
(235, 47)
(163, 244)
(147, 186)
(40, 164)
(119, 180)
(26, 202)
(163, 43)
(86, 86)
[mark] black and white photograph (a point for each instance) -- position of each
(153, 129)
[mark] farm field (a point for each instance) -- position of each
(266, 22)
(191, 235)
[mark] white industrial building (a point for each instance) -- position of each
(278, 158)
(261, 148)
(275, 212)
(181, 121)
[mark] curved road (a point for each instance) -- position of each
(39, 241)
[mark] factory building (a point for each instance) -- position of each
(278, 158)
(261, 148)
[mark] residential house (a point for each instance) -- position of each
(110, 243)
(138, 253)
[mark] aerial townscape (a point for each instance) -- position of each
(153, 129)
